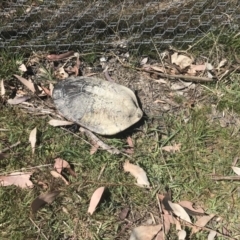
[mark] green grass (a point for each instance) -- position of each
(206, 147)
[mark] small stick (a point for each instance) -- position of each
(219, 178)
(8, 148)
(162, 218)
(165, 75)
(39, 230)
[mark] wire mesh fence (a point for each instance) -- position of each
(97, 25)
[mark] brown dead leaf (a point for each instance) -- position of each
(130, 142)
(196, 68)
(236, 170)
(168, 220)
(60, 164)
(22, 67)
(48, 92)
(158, 68)
(182, 234)
(61, 73)
(57, 123)
(174, 148)
(95, 199)
(212, 235)
(25, 82)
(20, 179)
(3, 91)
(124, 213)
(58, 175)
(56, 57)
(181, 60)
(18, 100)
(94, 148)
(33, 139)
(77, 65)
(222, 63)
(138, 173)
(145, 232)
(95, 139)
(179, 211)
(44, 198)
(188, 206)
(42, 184)
(201, 222)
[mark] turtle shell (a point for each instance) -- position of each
(101, 106)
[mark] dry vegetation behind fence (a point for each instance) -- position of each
(98, 25)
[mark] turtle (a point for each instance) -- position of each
(101, 106)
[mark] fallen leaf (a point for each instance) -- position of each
(138, 173)
(58, 175)
(33, 139)
(182, 235)
(56, 123)
(196, 68)
(212, 235)
(20, 179)
(94, 148)
(44, 198)
(77, 65)
(168, 220)
(95, 200)
(56, 57)
(181, 60)
(3, 91)
(61, 74)
(180, 86)
(157, 68)
(22, 67)
(209, 75)
(95, 139)
(18, 100)
(201, 222)
(124, 213)
(51, 87)
(179, 211)
(130, 142)
(174, 148)
(48, 92)
(236, 170)
(42, 184)
(60, 164)
(144, 61)
(145, 232)
(25, 82)
(209, 66)
(222, 63)
(188, 206)
(178, 225)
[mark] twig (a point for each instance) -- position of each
(101, 172)
(165, 75)
(207, 229)
(39, 230)
(219, 178)
(99, 142)
(8, 148)
(162, 218)
(184, 77)
(27, 169)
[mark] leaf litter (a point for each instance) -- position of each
(182, 62)
(138, 173)
(19, 179)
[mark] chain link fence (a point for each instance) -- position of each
(97, 25)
